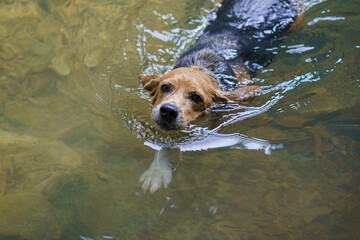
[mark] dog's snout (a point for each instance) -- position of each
(169, 112)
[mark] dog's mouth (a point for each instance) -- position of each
(167, 117)
(168, 126)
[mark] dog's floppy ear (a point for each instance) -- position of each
(245, 94)
(219, 96)
(149, 82)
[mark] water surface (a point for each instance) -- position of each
(74, 120)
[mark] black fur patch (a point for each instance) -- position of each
(240, 27)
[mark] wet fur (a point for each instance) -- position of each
(219, 54)
(184, 82)
(208, 67)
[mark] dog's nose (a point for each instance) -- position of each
(169, 112)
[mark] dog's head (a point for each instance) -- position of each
(182, 95)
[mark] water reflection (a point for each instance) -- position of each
(159, 173)
(332, 18)
(217, 140)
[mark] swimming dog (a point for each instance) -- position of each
(213, 68)
(208, 72)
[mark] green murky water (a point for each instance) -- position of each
(74, 120)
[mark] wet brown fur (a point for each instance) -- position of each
(218, 55)
(186, 81)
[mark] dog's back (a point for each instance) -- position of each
(238, 32)
(208, 72)
(256, 19)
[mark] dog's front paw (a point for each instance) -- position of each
(155, 177)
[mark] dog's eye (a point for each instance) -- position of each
(165, 88)
(196, 98)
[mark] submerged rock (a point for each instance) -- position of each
(39, 48)
(22, 112)
(313, 213)
(59, 65)
(29, 165)
(8, 51)
(92, 59)
(29, 215)
(27, 161)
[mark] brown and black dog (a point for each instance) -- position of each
(208, 72)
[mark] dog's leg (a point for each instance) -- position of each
(242, 95)
(158, 174)
(298, 23)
